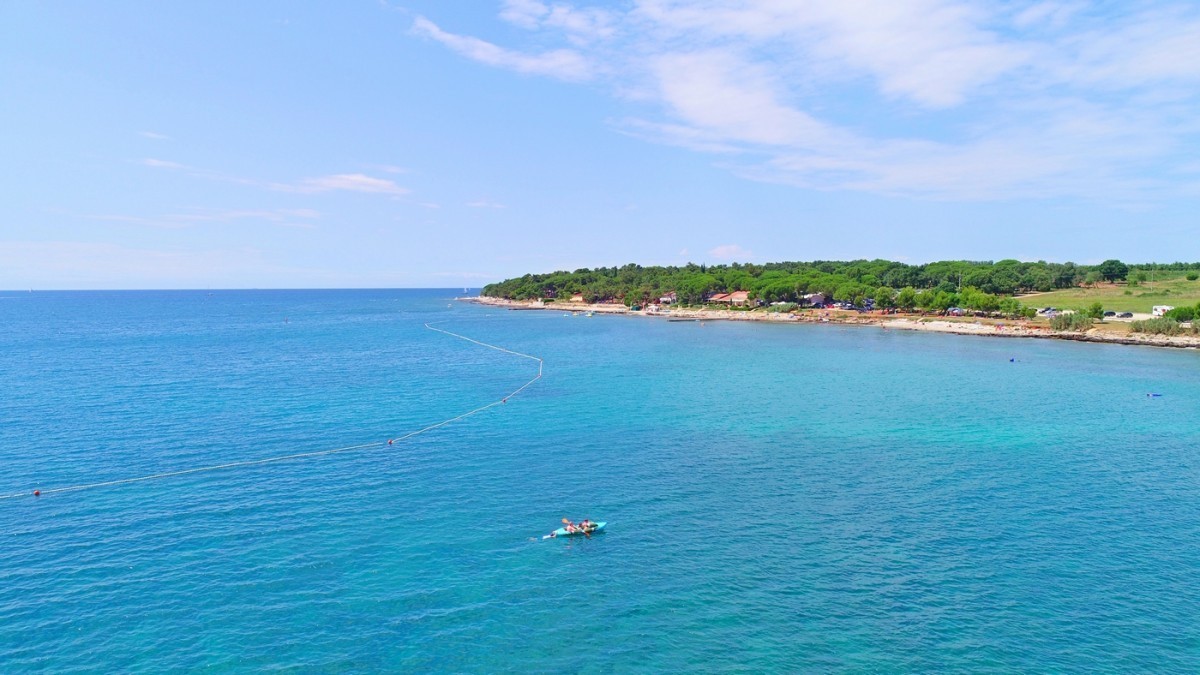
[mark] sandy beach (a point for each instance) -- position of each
(1101, 333)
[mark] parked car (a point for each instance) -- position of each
(1110, 314)
(1125, 315)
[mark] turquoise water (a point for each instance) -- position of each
(778, 497)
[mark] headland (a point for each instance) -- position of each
(1107, 332)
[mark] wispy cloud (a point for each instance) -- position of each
(564, 64)
(154, 136)
(198, 172)
(163, 164)
(945, 99)
(345, 182)
(582, 25)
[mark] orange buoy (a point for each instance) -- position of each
(37, 493)
(391, 441)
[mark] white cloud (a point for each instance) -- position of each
(733, 101)
(1152, 47)
(563, 64)
(345, 182)
(949, 99)
(163, 164)
(730, 252)
(581, 25)
(154, 136)
(931, 51)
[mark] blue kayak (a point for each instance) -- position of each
(562, 531)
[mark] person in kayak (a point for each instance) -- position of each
(586, 525)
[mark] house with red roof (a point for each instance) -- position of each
(737, 298)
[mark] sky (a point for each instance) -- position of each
(426, 143)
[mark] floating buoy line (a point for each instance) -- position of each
(315, 453)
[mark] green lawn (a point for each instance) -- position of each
(1121, 298)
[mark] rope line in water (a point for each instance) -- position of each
(316, 453)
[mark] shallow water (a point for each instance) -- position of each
(778, 497)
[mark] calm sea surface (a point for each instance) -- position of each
(779, 497)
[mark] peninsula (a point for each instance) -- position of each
(1146, 304)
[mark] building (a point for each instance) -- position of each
(668, 299)
(738, 298)
(813, 299)
(577, 297)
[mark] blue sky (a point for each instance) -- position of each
(431, 143)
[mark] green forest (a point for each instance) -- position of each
(977, 285)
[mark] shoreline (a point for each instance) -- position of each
(968, 326)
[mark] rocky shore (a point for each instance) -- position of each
(1102, 333)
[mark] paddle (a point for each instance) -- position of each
(585, 532)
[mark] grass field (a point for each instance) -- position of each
(1120, 297)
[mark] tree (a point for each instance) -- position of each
(1113, 270)
(884, 297)
(1096, 311)
(1092, 278)
(906, 299)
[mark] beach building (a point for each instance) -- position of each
(577, 297)
(737, 298)
(668, 299)
(813, 299)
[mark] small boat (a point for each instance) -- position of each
(562, 531)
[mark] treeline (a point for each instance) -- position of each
(888, 283)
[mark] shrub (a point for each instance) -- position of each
(1192, 276)
(1158, 326)
(1076, 322)
(1181, 314)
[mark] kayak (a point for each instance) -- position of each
(562, 531)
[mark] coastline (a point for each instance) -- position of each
(966, 326)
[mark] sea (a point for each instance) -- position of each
(778, 498)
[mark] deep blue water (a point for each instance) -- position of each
(779, 498)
